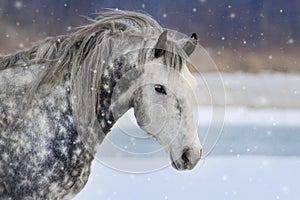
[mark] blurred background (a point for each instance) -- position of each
(247, 35)
(255, 45)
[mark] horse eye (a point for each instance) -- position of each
(160, 89)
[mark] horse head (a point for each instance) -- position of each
(163, 102)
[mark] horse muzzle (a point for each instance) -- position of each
(188, 159)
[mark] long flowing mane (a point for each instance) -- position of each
(90, 42)
(85, 51)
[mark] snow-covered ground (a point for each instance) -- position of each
(221, 177)
(254, 90)
(257, 155)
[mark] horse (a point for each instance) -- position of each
(61, 97)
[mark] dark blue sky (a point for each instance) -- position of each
(217, 22)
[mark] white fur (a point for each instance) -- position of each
(160, 116)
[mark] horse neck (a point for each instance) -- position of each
(117, 79)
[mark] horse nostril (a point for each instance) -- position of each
(200, 153)
(185, 156)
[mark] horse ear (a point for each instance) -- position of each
(160, 46)
(190, 45)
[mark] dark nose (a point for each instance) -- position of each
(185, 157)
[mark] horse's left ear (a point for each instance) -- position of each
(160, 46)
(190, 45)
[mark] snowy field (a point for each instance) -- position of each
(217, 177)
(257, 155)
(264, 90)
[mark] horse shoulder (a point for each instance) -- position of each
(43, 138)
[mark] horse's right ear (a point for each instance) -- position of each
(160, 46)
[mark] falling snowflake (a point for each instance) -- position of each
(18, 4)
(224, 178)
(285, 189)
(132, 177)
(165, 15)
(290, 41)
(194, 9)
(232, 15)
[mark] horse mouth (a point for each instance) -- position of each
(179, 166)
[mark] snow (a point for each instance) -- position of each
(257, 155)
(256, 116)
(263, 90)
(290, 41)
(18, 4)
(224, 177)
(232, 15)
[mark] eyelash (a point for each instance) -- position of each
(160, 89)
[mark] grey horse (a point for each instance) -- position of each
(61, 97)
